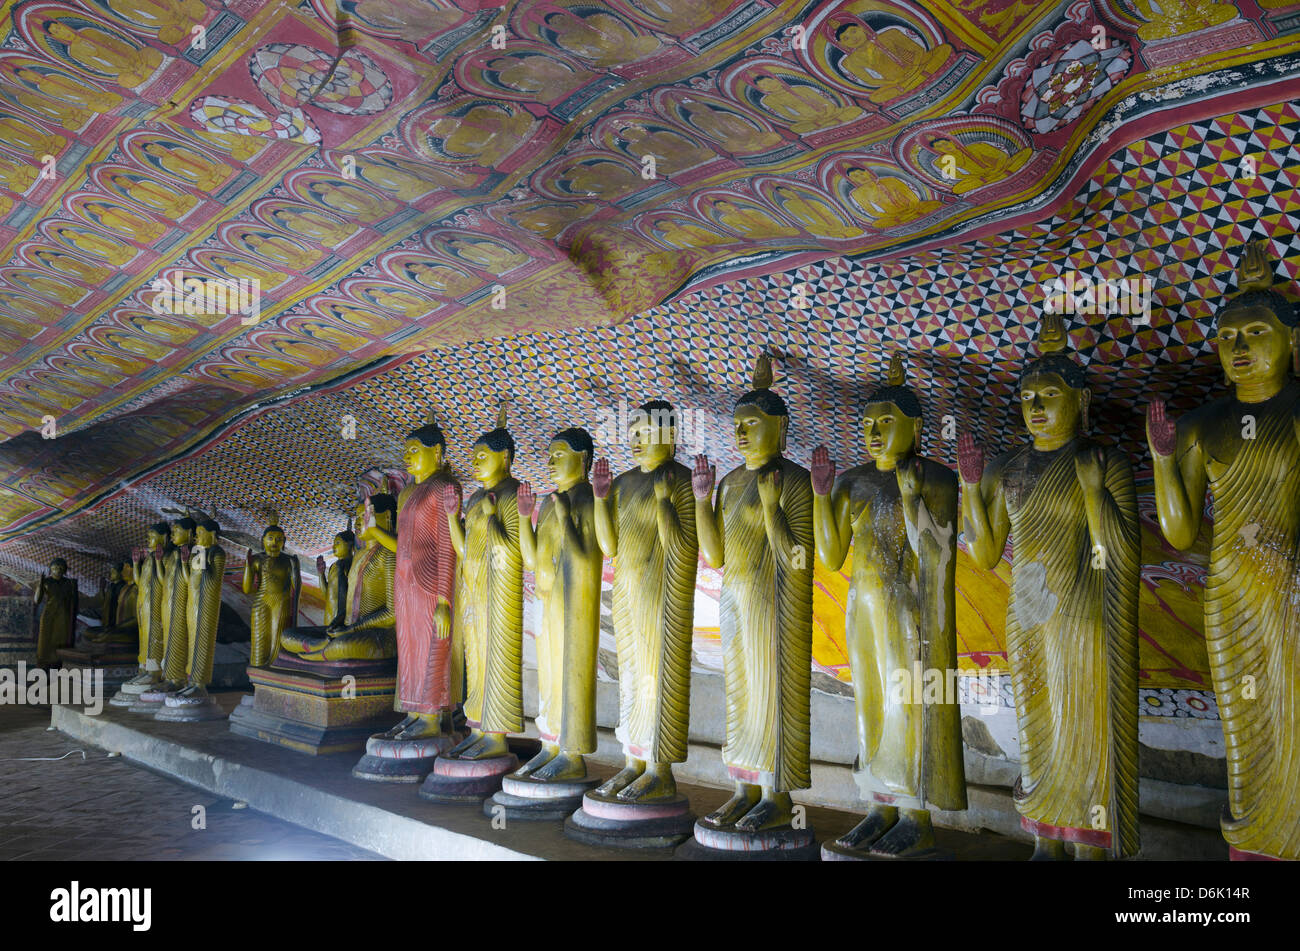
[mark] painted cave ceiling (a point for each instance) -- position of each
(519, 188)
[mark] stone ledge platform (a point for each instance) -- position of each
(319, 793)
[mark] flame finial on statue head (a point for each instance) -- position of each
(1052, 335)
(896, 375)
(762, 379)
(895, 389)
(760, 393)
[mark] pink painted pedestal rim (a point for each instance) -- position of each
(621, 811)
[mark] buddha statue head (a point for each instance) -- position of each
(205, 533)
(183, 531)
(424, 452)
(569, 457)
(58, 568)
(1257, 334)
(273, 540)
(1054, 394)
(115, 573)
(345, 543)
(761, 419)
(493, 453)
(126, 571)
(652, 434)
(157, 536)
(891, 420)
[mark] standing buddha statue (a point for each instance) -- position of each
(334, 579)
(899, 514)
(1246, 449)
(761, 530)
(274, 580)
(58, 618)
(1070, 507)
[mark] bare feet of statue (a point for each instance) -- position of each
(486, 746)
(473, 737)
(563, 766)
(169, 686)
(548, 752)
(1089, 853)
(420, 726)
(912, 833)
(744, 799)
(1048, 850)
(396, 731)
(145, 678)
(773, 810)
(878, 821)
(191, 691)
(622, 779)
(655, 783)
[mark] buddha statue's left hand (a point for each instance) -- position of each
(769, 488)
(909, 477)
(1090, 467)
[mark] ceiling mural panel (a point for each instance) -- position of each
(393, 177)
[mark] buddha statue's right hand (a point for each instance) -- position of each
(823, 471)
(525, 500)
(970, 459)
(320, 567)
(601, 479)
(702, 477)
(1162, 432)
(451, 498)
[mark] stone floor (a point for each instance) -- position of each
(101, 808)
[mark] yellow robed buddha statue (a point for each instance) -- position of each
(366, 631)
(118, 622)
(175, 600)
(760, 531)
(566, 558)
(1246, 449)
(56, 596)
(1069, 505)
(150, 597)
(645, 520)
(274, 580)
(489, 620)
(204, 576)
(899, 514)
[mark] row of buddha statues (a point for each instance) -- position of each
(437, 582)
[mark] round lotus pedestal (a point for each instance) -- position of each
(834, 852)
(150, 701)
(617, 823)
(522, 797)
(128, 695)
(180, 707)
(401, 761)
(466, 780)
(782, 844)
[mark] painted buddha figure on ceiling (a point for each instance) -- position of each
(1070, 507)
(814, 214)
(187, 165)
(889, 62)
(485, 135)
(802, 106)
(600, 39)
(544, 78)
(94, 49)
(973, 164)
(63, 87)
(886, 200)
(1169, 18)
(1245, 448)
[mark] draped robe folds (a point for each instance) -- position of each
(489, 611)
(149, 603)
(272, 609)
(1072, 647)
(654, 610)
(901, 622)
(568, 586)
(175, 599)
(766, 620)
(203, 614)
(1251, 618)
(58, 619)
(426, 572)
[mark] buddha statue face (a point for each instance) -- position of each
(342, 547)
(205, 537)
(272, 541)
(154, 539)
(1052, 408)
(489, 467)
(565, 465)
(653, 440)
(115, 573)
(759, 437)
(181, 535)
(127, 572)
(1254, 346)
(58, 569)
(889, 434)
(421, 461)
